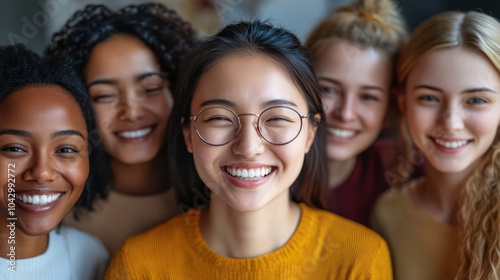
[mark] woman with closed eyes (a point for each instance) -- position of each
(246, 139)
(128, 60)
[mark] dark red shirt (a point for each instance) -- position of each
(355, 197)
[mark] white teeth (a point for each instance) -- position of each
(249, 174)
(451, 144)
(340, 133)
(37, 199)
(136, 133)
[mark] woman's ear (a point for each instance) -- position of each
(186, 132)
(311, 132)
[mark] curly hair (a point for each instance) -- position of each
(161, 29)
(20, 68)
(257, 38)
(480, 211)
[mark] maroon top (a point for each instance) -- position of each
(355, 197)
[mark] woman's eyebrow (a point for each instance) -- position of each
(103, 82)
(279, 102)
(68, 132)
(218, 101)
(17, 132)
(149, 74)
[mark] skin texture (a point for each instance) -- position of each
(42, 132)
(224, 82)
(452, 95)
(128, 94)
(241, 219)
(355, 88)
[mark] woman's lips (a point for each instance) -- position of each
(341, 133)
(248, 177)
(136, 135)
(450, 145)
(36, 202)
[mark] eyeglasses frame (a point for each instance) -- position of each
(194, 118)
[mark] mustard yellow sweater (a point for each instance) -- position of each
(324, 246)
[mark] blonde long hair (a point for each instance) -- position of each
(480, 212)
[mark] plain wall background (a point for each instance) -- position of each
(32, 22)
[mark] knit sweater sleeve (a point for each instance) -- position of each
(381, 267)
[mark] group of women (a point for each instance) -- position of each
(142, 152)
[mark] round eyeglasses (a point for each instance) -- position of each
(277, 125)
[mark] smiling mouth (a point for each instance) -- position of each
(341, 133)
(135, 134)
(37, 199)
(250, 173)
(451, 144)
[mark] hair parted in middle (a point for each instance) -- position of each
(480, 211)
(167, 35)
(254, 38)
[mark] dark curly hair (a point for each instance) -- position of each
(161, 29)
(248, 37)
(20, 68)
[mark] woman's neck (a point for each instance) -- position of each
(24, 246)
(438, 194)
(339, 171)
(236, 234)
(139, 179)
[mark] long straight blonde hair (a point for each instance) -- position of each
(480, 212)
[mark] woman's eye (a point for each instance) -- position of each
(369, 97)
(67, 150)
(218, 119)
(151, 90)
(13, 149)
(476, 101)
(329, 90)
(104, 98)
(428, 98)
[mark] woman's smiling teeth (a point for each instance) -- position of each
(341, 133)
(37, 199)
(249, 174)
(135, 133)
(451, 144)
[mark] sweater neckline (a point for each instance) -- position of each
(299, 238)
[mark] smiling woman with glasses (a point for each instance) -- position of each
(248, 149)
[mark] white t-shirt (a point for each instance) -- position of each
(71, 255)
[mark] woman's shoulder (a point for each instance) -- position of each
(344, 231)
(347, 243)
(87, 253)
(79, 239)
(393, 208)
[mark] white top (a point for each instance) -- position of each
(70, 255)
